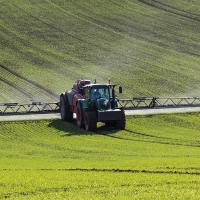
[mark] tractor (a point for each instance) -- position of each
(92, 103)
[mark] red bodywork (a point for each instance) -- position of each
(79, 87)
(75, 99)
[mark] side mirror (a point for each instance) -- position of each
(120, 89)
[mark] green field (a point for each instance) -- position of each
(150, 47)
(51, 159)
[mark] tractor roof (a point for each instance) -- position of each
(98, 85)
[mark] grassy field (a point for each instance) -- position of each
(149, 47)
(156, 157)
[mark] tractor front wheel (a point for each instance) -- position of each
(90, 120)
(120, 124)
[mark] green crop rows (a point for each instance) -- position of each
(156, 157)
(150, 47)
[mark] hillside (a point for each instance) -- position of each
(151, 47)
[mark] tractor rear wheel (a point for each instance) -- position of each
(90, 120)
(120, 124)
(66, 114)
(79, 116)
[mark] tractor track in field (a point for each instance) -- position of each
(177, 9)
(175, 141)
(89, 20)
(134, 171)
(16, 88)
(111, 170)
(56, 28)
(173, 10)
(30, 82)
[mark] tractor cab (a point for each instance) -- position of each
(98, 95)
(101, 95)
(96, 91)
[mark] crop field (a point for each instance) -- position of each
(155, 157)
(150, 47)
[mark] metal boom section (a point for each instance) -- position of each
(151, 102)
(35, 107)
(135, 103)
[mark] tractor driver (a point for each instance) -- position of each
(96, 94)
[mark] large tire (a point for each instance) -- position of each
(79, 116)
(90, 120)
(66, 114)
(120, 124)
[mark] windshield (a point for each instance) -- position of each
(100, 92)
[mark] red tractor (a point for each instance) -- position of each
(92, 103)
